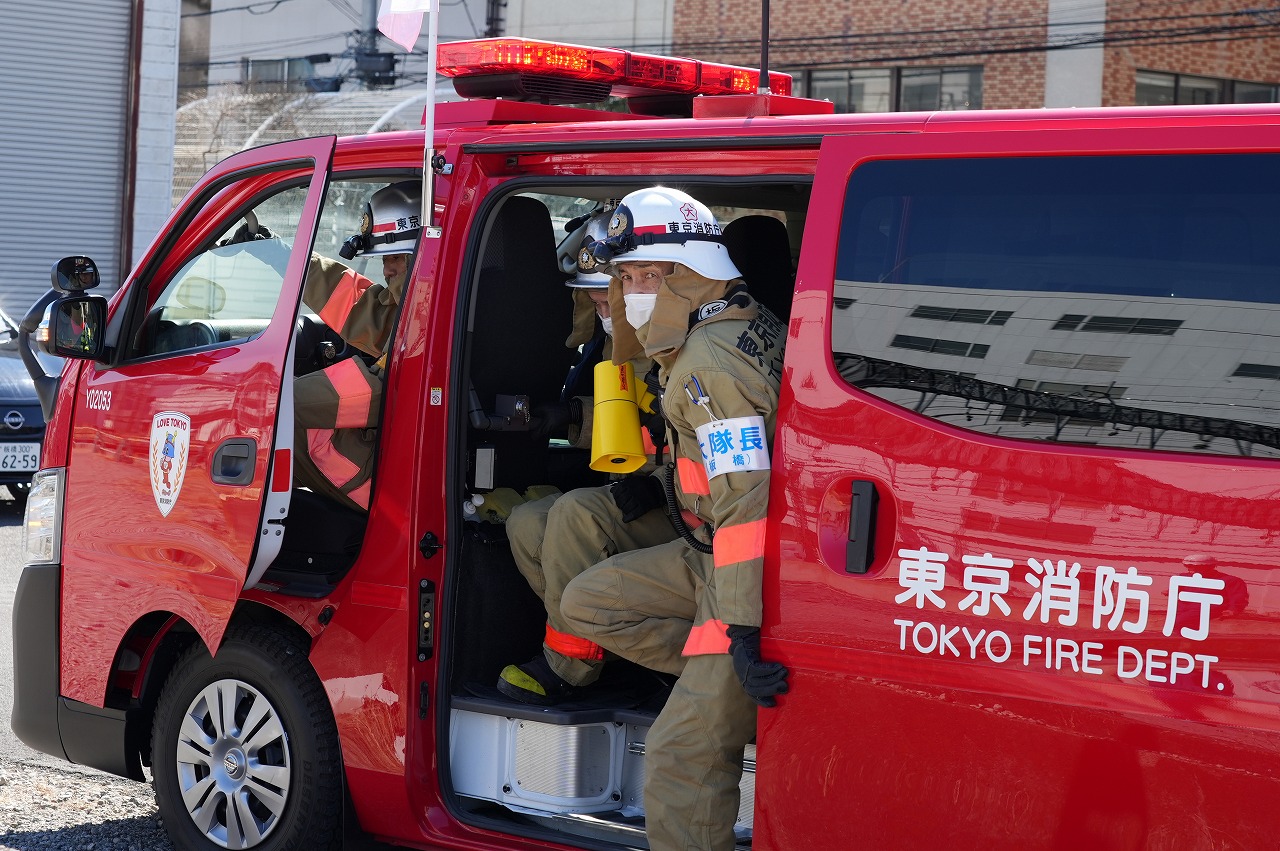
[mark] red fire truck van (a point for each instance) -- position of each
(1025, 499)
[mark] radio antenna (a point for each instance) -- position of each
(763, 87)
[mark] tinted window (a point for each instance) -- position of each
(1122, 301)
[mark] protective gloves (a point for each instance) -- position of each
(552, 419)
(242, 234)
(760, 680)
(637, 496)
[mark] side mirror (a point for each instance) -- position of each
(77, 326)
(74, 274)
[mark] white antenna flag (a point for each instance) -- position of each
(401, 21)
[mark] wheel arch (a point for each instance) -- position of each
(150, 649)
(268, 658)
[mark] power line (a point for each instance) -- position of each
(898, 35)
(249, 8)
(346, 10)
(1216, 35)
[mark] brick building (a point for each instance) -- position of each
(880, 55)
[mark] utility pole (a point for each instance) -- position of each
(374, 68)
(494, 20)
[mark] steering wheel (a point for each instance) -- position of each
(202, 334)
(317, 346)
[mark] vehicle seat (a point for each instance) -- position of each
(760, 248)
(523, 315)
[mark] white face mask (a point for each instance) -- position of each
(607, 323)
(640, 308)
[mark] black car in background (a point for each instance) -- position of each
(21, 420)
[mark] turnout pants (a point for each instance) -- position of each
(641, 606)
(555, 538)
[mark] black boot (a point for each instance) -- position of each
(534, 682)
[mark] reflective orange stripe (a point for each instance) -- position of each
(647, 441)
(707, 639)
(332, 464)
(742, 542)
(693, 477)
(573, 646)
(345, 295)
(360, 496)
(354, 394)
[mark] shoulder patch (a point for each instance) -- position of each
(711, 308)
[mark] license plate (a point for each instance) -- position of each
(19, 457)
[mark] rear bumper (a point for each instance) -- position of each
(43, 719)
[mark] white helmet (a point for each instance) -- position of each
(391, 222)
(589, 274)
(666, 225)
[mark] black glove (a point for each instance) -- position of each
(242, 235)
(552, 419)
(636, 496)
(760, 680)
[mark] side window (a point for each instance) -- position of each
(228, 291)
(344, 206)
(1125, 301)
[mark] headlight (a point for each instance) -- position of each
(43, 524)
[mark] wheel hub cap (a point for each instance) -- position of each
(233, 764)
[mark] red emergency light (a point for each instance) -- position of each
(524, 69)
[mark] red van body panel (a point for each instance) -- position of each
(912, 721)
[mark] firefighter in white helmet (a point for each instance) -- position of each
(336, 409)
(693, 606)
(555, 538)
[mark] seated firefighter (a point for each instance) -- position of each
(693, 606)
(555, 538)
(336, 409)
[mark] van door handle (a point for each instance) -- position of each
(233, 461)
(860, 552)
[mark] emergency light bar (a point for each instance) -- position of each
(571, 73)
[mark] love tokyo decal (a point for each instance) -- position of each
(1121, 602)
(170, 439)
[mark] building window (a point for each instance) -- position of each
(960, 314)
(958, 348)
(1117, 324)
(1257, 370)
(276, 75)
(895, 89)
(1157, 88)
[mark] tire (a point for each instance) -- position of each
(273, 783)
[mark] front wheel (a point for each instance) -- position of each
(245, 749)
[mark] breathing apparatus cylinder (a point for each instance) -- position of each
(616, 444)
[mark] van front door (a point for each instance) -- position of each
(176, 447)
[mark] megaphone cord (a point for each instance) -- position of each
(674, 515)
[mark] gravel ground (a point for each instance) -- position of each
(44, 808)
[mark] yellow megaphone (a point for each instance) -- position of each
(616, 444)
